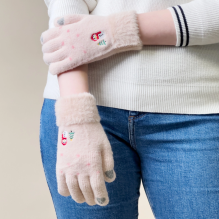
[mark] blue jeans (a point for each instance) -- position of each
(175, 155)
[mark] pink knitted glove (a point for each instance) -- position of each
(84, 155)
(81, 39)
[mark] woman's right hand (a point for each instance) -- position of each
(84, 155)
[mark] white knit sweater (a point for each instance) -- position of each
(180, 79)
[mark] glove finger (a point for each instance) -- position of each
(108, 162)
(74, 189)
(54, 57)
(99, 189)
(69, 19)
(52, 45)
(61, 66)
(49, 34)
(62, 186)
(84, 184)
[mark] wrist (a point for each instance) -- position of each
(73, 81)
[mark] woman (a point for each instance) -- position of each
(153, 74)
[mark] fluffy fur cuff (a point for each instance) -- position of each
(76, 109)
(126, 30)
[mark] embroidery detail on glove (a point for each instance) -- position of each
(64, 138)
(109, 174)
(97, 36)
(71, 135)
(61, 21)
(102, 43)
(101, 200)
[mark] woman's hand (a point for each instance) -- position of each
(84, 155)
(81, 39)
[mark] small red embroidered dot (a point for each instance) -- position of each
(68, 31)
(98, 172)
(61, 154)
(77, 173)
(73, 47)
(60, 28)
(61, 171)
(68, 164)
(78, 155)
(88, 164)
(63, 43)
(85, 51)
(78, 35)
(70, 58)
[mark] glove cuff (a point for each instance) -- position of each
(125, 30)
(76, 109)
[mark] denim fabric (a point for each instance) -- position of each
(175, 155)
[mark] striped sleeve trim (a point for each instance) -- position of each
(181, 24)
(186, 25)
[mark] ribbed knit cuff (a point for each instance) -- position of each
(125, 31)
(196, 22)
(76, 109)
(181, 25)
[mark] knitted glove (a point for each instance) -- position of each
(81, 39)
(84, 155)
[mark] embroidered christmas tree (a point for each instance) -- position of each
(102, 43)
(71, 135)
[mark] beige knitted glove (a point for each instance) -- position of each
(84, 155)
(81, 39)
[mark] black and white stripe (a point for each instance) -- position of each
(181, 23)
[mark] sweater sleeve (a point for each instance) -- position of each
(57, 8)
(196, 22)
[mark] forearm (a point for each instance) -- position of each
(157, 28)
(196, 23)
(74, 81)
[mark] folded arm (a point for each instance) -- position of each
(189, 24)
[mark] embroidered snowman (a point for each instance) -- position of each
(97, 36)
(64, 138)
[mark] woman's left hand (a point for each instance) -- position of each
(82, 39)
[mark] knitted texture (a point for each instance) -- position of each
(82, 39)
(84, 155)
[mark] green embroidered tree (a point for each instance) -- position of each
(102, 43)
(71, 135)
